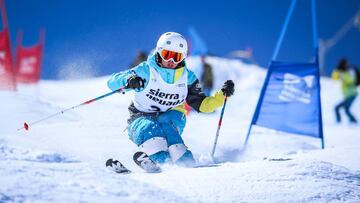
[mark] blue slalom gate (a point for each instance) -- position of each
(290, 97)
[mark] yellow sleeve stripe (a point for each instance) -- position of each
(210, 104)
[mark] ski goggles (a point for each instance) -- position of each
(167, 55)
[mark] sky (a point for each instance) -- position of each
(93, 38)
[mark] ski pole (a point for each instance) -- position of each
(218, 129)
(27, 125)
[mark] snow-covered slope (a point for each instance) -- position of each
(62, 159)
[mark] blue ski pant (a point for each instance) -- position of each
(168, 125)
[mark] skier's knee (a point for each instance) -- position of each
(153, 145)
(174, 120)
(180, 155)
(143, 129)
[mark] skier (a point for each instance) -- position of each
(347, 74)
(162, 84)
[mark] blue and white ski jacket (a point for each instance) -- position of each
(195, 97)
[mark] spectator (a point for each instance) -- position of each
(347, 75)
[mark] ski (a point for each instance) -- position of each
(140, 158)
(116, 166)
(143, 161)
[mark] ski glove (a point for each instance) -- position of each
(228, 88)
(135, 82)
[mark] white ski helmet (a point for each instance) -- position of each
(172, 41)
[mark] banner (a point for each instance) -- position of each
(290, 99)
(6, 72)
(28, 63)
(7, 81)
(197, 45)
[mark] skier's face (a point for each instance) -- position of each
(170, 59)
(168, 64)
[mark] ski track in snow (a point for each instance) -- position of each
(246, 182)
(63, 159)
(49, 177)
(55, 178)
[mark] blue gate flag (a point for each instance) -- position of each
(290, 99)
(197, 44)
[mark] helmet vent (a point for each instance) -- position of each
(168, 42)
